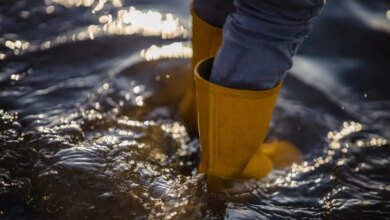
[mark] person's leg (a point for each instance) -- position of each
(259, 41)
(214, 12)
(237, 91)
(208, 17)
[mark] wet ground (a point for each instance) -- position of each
(89, 126)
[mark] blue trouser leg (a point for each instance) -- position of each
(259, 40)
(214, 12)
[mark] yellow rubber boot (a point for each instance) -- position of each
(232, 127)
(281, 153)
(206, 40)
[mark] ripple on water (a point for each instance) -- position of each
(89, 126)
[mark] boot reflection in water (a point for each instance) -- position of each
(237, 90)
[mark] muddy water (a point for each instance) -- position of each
(89, 126)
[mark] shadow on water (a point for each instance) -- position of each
(89, 125)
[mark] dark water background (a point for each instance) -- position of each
(89, 127)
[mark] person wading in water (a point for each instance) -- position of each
(242, 50)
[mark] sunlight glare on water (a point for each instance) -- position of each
(174, 50)
(130, 21)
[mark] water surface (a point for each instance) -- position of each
(89, 126)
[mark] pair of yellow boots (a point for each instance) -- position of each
(232, 123)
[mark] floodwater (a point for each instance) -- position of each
(89, 126)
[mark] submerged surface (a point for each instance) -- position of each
(89, 127)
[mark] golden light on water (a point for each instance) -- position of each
(125, 21)
(148, 23)
(174, 50)
(338, 146)
(110, 139)
(349, 128)
(139, 100)
(137, 89)
(16, 46)
(177, 130)
(98, 4)
(129, 22)
(15, 77)
(50, 9)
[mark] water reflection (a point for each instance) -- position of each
(91, 135)
(122, 21)
(174, 50)
(98, 4)
(128, 21)
(15, 47)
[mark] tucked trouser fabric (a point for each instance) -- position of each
(260, 37)
(214, 12)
